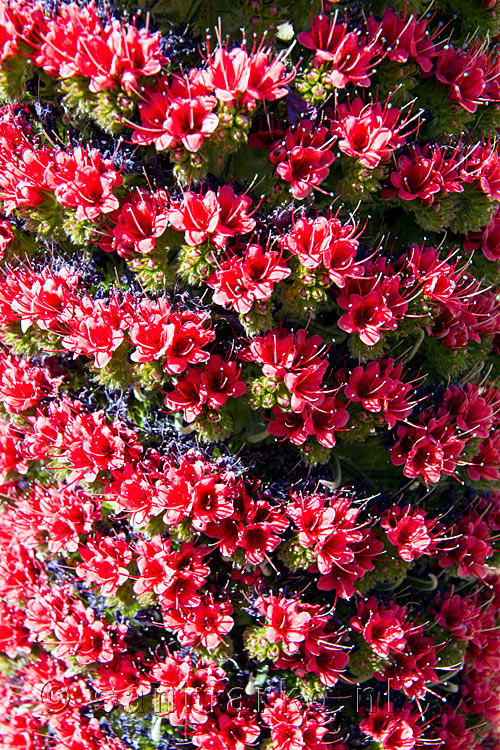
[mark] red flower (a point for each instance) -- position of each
(190, 336)
(304, 168)
(240, 79)
(383, 628)
(104, 561)
(308, 240)
(150, 330)
(177, 112)
(268, 78)
(178, 339)
(473, 546)
(229, 287)
(227, 74)
(140, 221)
(84, 180)
(295, 725)
(427, 450)
(23, 386)
(97, 328)
(187, 395)
(378, 387)
(411, 669)
(14, 636)
(189, 121)
(465, 72)
(348, 55)
(261, 527)
(212, 501)
(57, 516)
(374, 302)
(468, 409)
(393, 729)
(409, 531)
(234, 218)
(286, 622)
(438, 278)
(233, 732)
(305, 388)
(324, 242)
(367, 132)
(239, 282)
(196, 215)
(327, 418)
(261, 270)
(20, 25)
(368, 315)
(402, 38)
(192, 698)
(485, 464)
(122, 680)
(293, 426)
(461, 616)
(280, 352)
(136, 54)
(303, 159)
(77, 44)
(220, 380)
(416, 177)
(484, 165)
(72, 25)
(452, 731)
(44, 298)
(207, 624)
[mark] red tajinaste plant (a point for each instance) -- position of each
(249, 357)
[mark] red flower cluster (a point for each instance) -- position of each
(342, 550)
(373, 301)
(393, 729)
(324, 244)
(191, 692)
(211, 217)
(183, 111)
(432, 172)
(206, 387)
(383, 628)
(411, 532)
(378, 387)
(295, 725)
(94, 327)
(57, 515)
(302, 157)
(75, 44)
(21, 23)
(475, 542)
(368, 132)
(348, 56)
(305, 639)
(219, 505)
(282, 299)
(80, 180)
(83, 444)
(305, 407)
(434, 444)
(242, 283)
(136, 226)
(24, 386)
